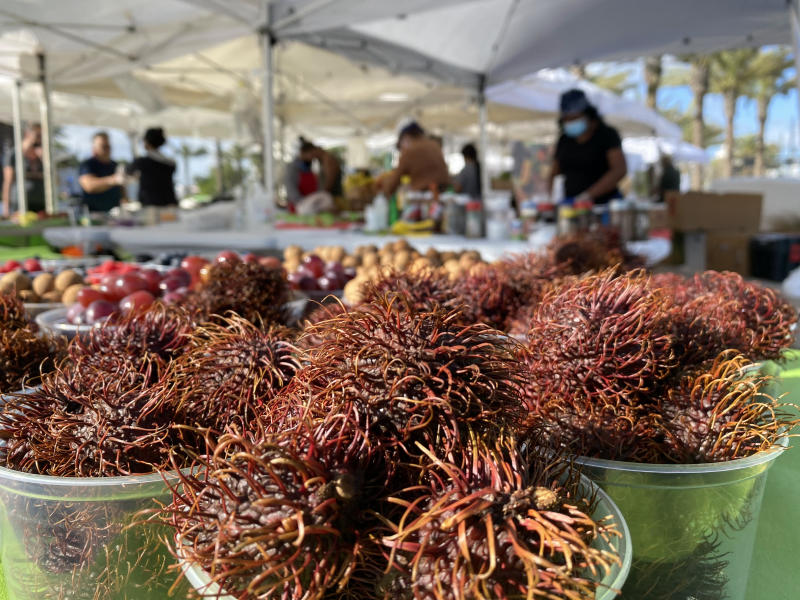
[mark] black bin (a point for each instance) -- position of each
(773, 255)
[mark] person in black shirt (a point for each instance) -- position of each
(588, 153)
(155, 171)
(100, 180)
(34, 172)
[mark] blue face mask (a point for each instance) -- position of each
(576, 128)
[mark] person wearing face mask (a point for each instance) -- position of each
(421, 159)
(588, 152)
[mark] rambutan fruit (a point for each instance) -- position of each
(155, 335)
(25, 356)
(286, 517)
(719, 412)
(605, 335)
(501, 524)
(87, 422)
(488, 296)
(421, 290)
(760, 320)
(415, 373)
(230, 371)
(251, 290)
(12, 312)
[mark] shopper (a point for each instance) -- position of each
(670, 179)
(100, 180)
(300, 179)
(588, 153)
(33, 175)
(155, 171)
(421, 159)
(468, 181)
(330, 171)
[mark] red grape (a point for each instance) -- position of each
(334, 267)
(349, 273)
(88, 295)
(173, 298)
(76, 314)
(170, 284)
(99, 309)
(153, 278)
(329, 284)
(250, 258)
(308, 284)
(137, 300)
(127, 284)
(181, 274)
(314, 264)
(193, 264)
(227, 256)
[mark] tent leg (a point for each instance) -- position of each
(19, 163)
(268, 110)
(47, 141)
(220, 168)
(794, 17)
(483, 117)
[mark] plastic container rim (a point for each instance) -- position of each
(692, 469)
(118, 481)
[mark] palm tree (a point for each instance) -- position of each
(696, 73)
(769, 80)
(731, 76)
(186, 153)
(652, 78)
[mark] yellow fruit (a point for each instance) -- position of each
(28, 296)
(43, 283)
(52, 296)
(70, 295)
(66, 279)
(14, 281)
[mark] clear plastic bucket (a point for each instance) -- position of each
(693, 526)
(83, 538)
(610, 584)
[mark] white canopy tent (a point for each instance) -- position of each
(462, 43)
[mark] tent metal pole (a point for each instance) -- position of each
(268, 107)
(48, 164)
(794, 17)
(219, 167)
(19, 163)
(483, 118)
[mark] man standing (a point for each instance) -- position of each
(421, 160)
(99, 179)
(33, 175)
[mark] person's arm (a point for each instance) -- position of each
(8, 180)
(555, 169)
(92, 184)
(617, 169)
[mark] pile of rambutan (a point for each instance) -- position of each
(626, 366)
(392, 466)
(24, 353)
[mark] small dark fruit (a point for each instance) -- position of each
(98, 310)
(136, 301)
(227, 256)
(315, 264)
(76, 314)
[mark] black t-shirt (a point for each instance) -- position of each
(155, 179)
(101, 201)
(34, 180)
(583, 164)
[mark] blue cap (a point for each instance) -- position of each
(573, 101)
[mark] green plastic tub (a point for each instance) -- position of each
(65, 538)
(692, 526)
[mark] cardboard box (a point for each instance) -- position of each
(703, 211)
(728, 251)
